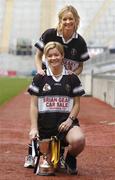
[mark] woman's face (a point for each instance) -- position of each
(54, 58)
(68, 21)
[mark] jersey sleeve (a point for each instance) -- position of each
(84, 50)
(46, 37)
(34, 87)
(77, 88)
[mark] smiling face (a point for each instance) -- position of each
(54, 54)
(68, 21)
(54, 58)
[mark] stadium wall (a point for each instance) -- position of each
(100, 86)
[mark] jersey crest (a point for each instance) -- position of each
(68, 88)
(46, 87)
(74, 52)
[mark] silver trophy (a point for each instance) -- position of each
(46, 167)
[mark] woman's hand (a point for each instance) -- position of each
(70, 72)
(41, 72)
(33, 134)
(65, 125)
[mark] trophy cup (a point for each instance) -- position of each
(46, 167)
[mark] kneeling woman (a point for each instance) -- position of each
(55, 104)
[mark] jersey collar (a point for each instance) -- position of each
(49, 73)
(74, 36)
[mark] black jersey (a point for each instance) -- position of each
(55, 98)
(75, 49)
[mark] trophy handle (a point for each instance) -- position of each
(55, 147)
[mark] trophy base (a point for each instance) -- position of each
(46, 171)
(46, 174)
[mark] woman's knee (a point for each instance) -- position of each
(75, 135)
(76, 140)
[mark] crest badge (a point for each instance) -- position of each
(46, 87)
(68, 88)
(73, 52)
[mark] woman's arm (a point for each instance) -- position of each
(76, 107)
(79, 69)
(38, 62)
(72, 116)
(33, 117)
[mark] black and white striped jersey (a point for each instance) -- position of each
(75, 49)
(55, 97)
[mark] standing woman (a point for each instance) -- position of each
(75, 48)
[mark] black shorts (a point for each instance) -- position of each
(60, 135)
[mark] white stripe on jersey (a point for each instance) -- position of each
(34, 88)
(40, 43)
(83, 56)
(78, 89)
(53, 103)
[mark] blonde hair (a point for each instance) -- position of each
(71, 9)
(52, 45)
